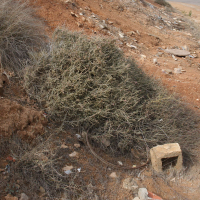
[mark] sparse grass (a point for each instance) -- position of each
(163, 3)
(20, 32)
(88, 84)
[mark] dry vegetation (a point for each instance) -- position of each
(20, 32)
(89, 84)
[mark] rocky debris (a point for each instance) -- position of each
(106, 142)
(131, 33)
(42, 190)
(77, 145)
(10, 197)
(113, 175)
(177, 70)
(155, 61)
(130, 184)
(167, 152)
(167, 71)
(121, 34)
(174, 57)
(120, 163)
(73, 14)
(67, 169)
(131, 46)
(63, 146)
(24, 197)
(143, 194)
(159, 54)
(178, 52)
(74, 154)
(79, 24)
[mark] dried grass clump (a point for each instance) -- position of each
(88, 83)
(20, 32)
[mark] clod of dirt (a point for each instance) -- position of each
(26, 122)
(3, 81)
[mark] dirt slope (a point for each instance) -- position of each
(142, 31)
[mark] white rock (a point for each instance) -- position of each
(177, 70)
(136, 198)
(24, 197)
(173, 56)
(120, 163)
(121, 34)
(74, 154)
(143, 194)
(113, 175)
(131, 46)
(155, 61)
(167, 71)
(130, 184)
(178, 52)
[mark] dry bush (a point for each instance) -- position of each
(40, 165)
(20, 32)
(88, 83)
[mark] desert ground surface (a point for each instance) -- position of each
(150, 30)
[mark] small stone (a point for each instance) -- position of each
(24, 197)
(130, 184)
(173, 56)
(143, 194)
(10, 197)
(66, 168)
(74, 154)
(83, 19)
(167, 71)
(79, 24)
(178, 52)
(63, 146)
(136, 198)
(73, 14)
(120, 163)
(110, 22)
(121, 34)
(177, 70)
(77, 145)
(131, 46)
(42, 190)
(155, 61)
(113, 175)
(131, 33)
(105, 142)
(159, 54)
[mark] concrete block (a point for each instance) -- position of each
(164, 156)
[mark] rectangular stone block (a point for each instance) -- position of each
(166, 155)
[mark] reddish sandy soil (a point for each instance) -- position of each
(150, 41)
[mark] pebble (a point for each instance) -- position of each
(143, 194)
(155, 61)
(77, 145)
(113, 175)
(24, 197)
(74, 154)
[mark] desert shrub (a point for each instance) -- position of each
(20, 32)
(88, 83)
(163, 3)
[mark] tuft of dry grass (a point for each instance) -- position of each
(89, 84)
(20, 32)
